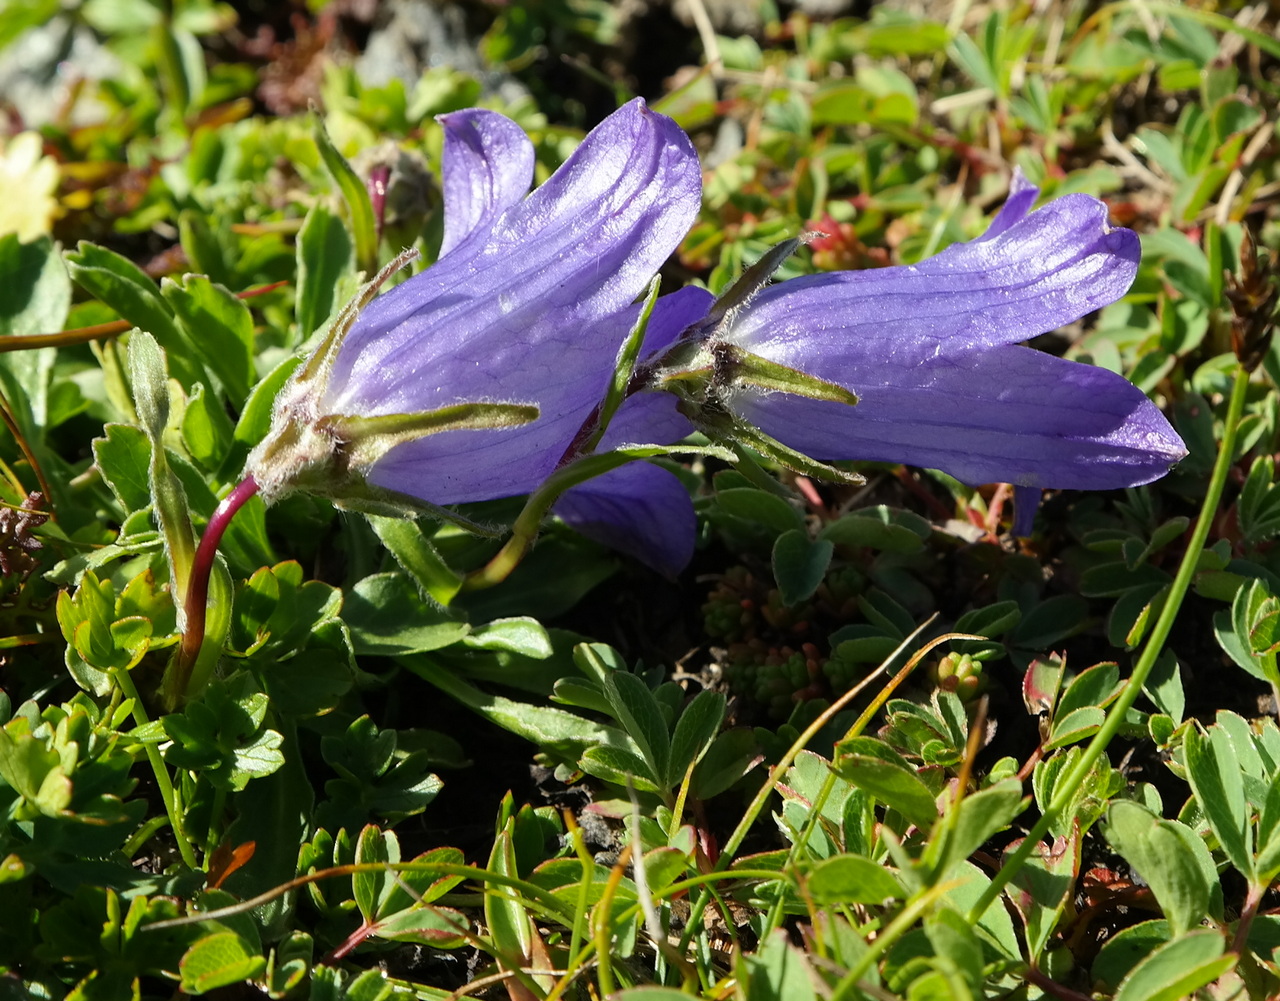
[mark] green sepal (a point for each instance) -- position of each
(365, 440)
(735, 366)
(623, 369)
(743, 434)
(752, 281)
(320, 362)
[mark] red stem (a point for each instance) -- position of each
(197, 602)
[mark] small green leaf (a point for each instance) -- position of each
(124, 457)
(219, 960)
(326, 269)
(853, 879)
(637, 710)
(356, 196)
(694, 733)
(759, 507)
(799, 565)
(1214, 773)
(881, 772)
(220, 329)
(1161, 852)
(387, 617)
(1178, 969)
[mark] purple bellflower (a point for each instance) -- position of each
(929, 354)
(477, 378)
(468, 381)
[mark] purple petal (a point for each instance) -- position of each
(1040, 272)
(672, 314)
(488, 167)
(532, 313)
(1022, 195)
(639, 509)
(1025, 502)
(1007, 414)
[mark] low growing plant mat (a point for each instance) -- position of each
(577, 500)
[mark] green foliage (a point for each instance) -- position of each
(751, 833)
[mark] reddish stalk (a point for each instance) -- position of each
(196, 604)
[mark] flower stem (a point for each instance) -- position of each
(1066, 790)
(197, 603)
(163, 782)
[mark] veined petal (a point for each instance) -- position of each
(1022, 195)
(455, 467)
(1007, 414)
(523, 318)
(1036, 274)
(672, 314)
(487, 166)
(639, 509)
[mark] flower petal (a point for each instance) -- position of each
(536, 309)
(459, 466)
(487, 166)
(1022, 195)
(1008, 414)
(1036, 274)
(639, 509)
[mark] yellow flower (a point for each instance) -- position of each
(28, 181)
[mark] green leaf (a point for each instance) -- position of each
(1213, 771)
(524, 636)
(1041, 888)
(369, 888)
(963, 829)
(635, 707)
(553, 729)
(880, 771)
(617, 764)
(510, 926)
(326, 269)
(36, 292)
(779, 970)
(694, 733)
(219, 960)
(853, 879)
(124, 457)
(148, 375)
(356, 195)
(759, 507)
(220, 329)
(438, 927)
(1178, 969)
(799, 565)
(884, 528)
(387, 617)
(418, 557)
(1162, 853)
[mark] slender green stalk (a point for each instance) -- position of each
(1066, 789)
(163, 782)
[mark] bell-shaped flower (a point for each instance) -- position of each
(469, 380)
(929, 354)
